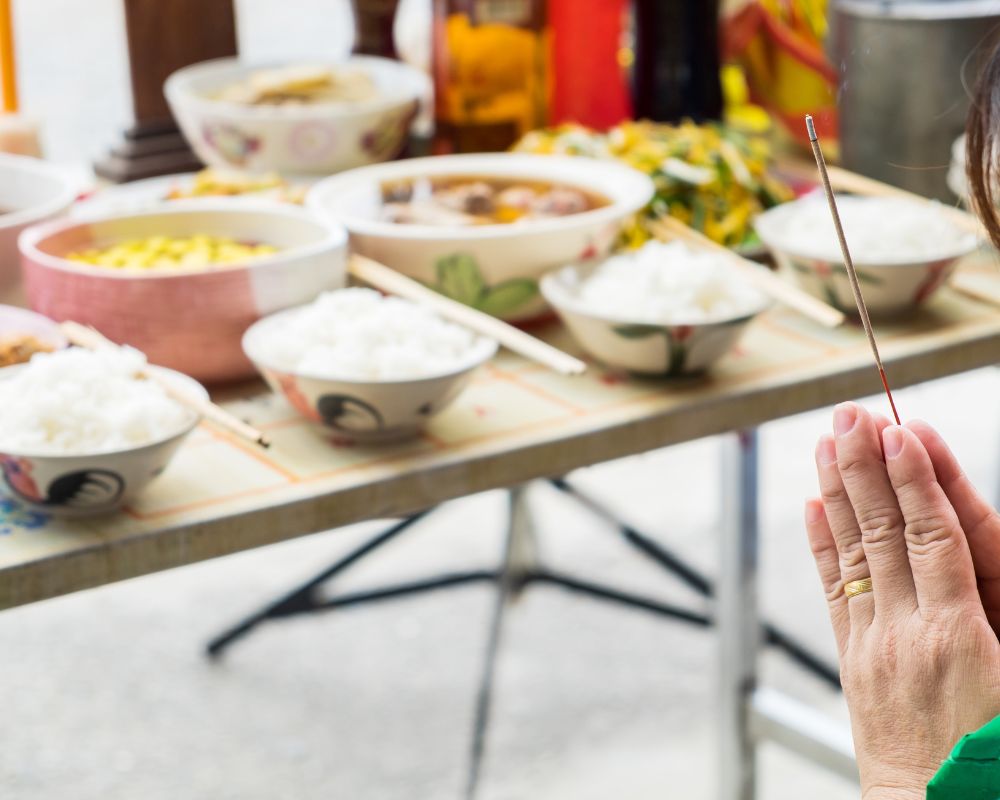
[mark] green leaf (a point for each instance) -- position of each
(458, 277)
(638, 331)
(505, 298)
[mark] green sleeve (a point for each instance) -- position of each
(972, 771)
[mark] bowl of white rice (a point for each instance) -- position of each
(903, 250)
(81, 435)
(367, 367)
(663, 309)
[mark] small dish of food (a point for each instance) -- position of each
(208, 185)
(182, 284)
(297, 119)
(82, 435)
(24, 333)
(483, 228)
(663, 309)
(30, 191)
(903, 250)
(364, 366)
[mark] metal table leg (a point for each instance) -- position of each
(737, 617)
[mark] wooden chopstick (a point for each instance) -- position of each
(392, 282)
(762, 278)
(92, 339)
(843, 180)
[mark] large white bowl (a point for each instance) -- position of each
(364, 411)
(30, 191)
(494, 268)
(663, 349)
(188, 320)
(91, 484)
(889, 287)
(314, 139)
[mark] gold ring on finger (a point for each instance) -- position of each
(854, 588)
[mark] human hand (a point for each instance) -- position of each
(919, 661)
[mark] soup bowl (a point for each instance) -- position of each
(190, 320)
(307, 139)
(496, 267)
(30, 191)
(92, 484)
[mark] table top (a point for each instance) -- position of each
(516, 422)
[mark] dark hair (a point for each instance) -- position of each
(982, 141)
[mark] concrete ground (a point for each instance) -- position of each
(105, 695)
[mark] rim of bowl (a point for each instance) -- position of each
(52, 332)
(484, 350)
(35, 166)
(561, 298)
(30, 238)
(9, 372)
(587, 173)
(414, 85)
(773, 216)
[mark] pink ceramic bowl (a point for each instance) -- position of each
(187, 320)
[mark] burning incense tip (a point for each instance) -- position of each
(810, 128)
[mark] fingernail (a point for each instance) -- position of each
(826, 451)
(814, 511)
(892, 441)
(844, 417)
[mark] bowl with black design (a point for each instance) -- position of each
(363, 410)
(92, 484)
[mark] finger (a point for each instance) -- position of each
(824, 550)
(846, 533)
(977, 517)
(866, 481)
(938, 553)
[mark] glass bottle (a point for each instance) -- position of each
(491, 72)
(676, 69)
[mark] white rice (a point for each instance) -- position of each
(78, 402)
(360, 335)
(668, 284)
(879, 230)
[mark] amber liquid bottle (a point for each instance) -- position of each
(491, 73)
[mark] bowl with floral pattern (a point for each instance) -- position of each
(893, 280)
(468, 255)
(297, 138)
(666, 349)
(91, 484)
(364, 411)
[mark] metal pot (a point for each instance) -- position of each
(907, 71)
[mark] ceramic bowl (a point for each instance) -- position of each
(95, 484)
(890, 288)
(364, 411)
(19, 321)
(669, 350)
(30, 191)
(187, 320)
(295, 140)
(494, 268)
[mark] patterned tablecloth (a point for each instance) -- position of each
(517, 421)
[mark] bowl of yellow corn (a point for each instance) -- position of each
(182, 284)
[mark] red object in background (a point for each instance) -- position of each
(590, 86)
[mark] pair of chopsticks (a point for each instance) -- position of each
(762, 278)
(83, 336)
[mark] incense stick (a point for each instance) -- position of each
(852, 275)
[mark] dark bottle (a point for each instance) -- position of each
(676, 69)
(374, 21)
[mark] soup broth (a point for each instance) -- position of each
(468, 200)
